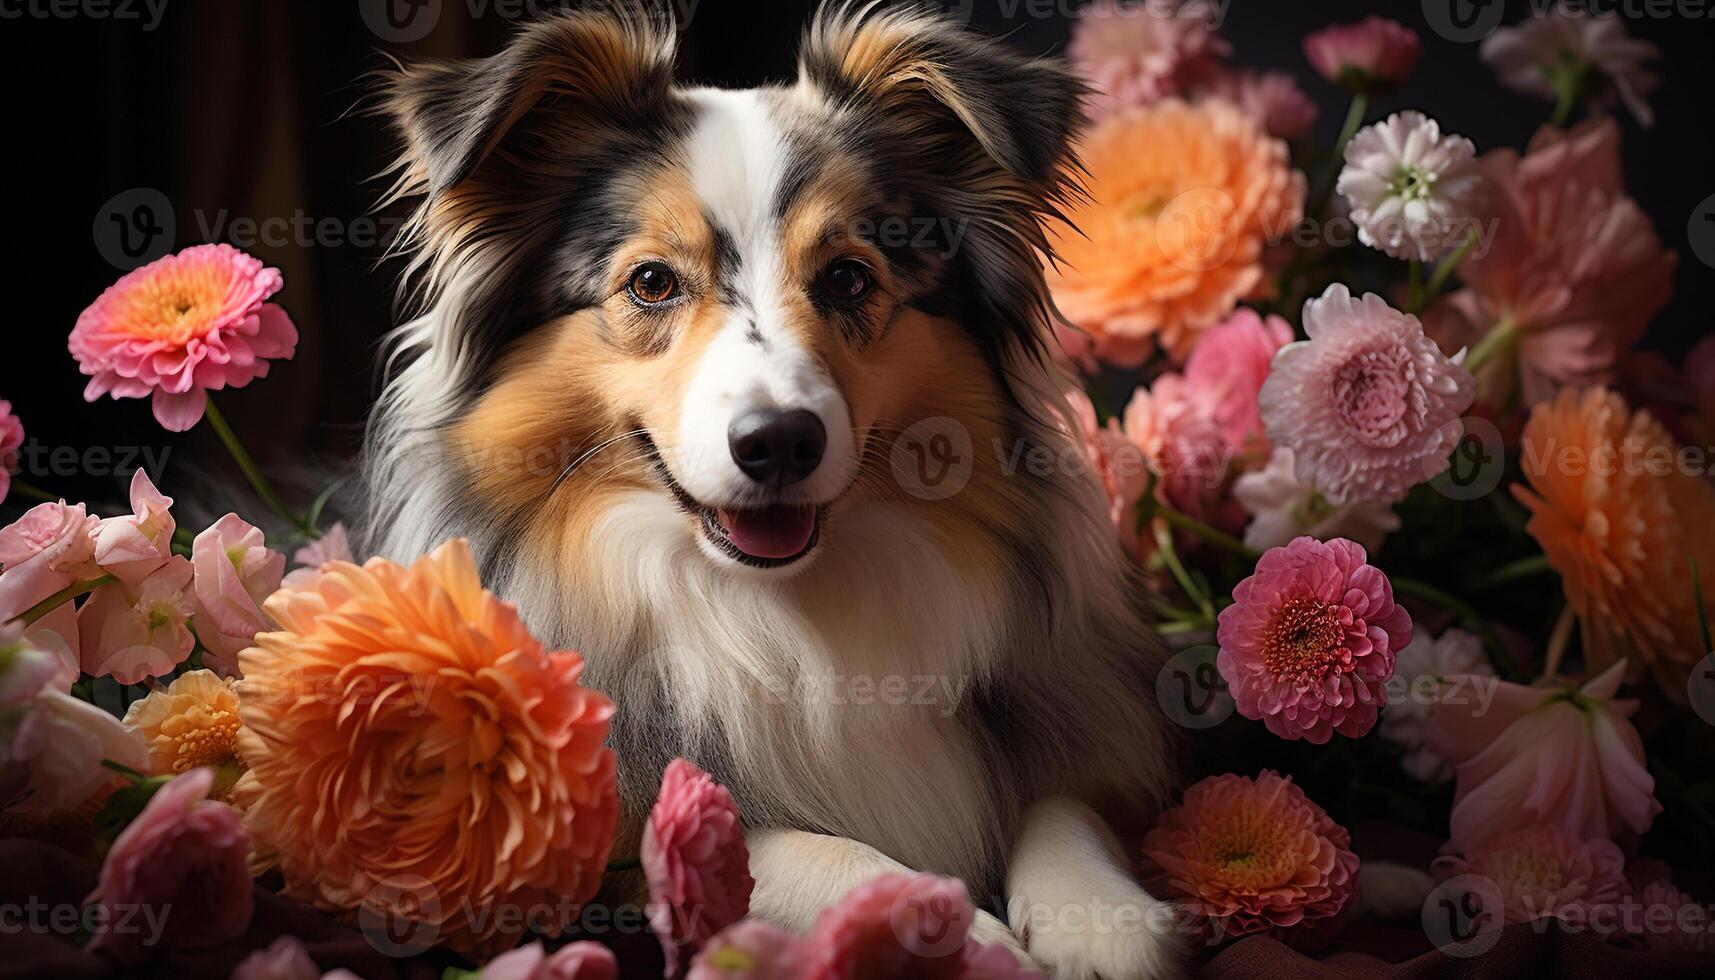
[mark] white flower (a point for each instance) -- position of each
(1282, 508)
(1563, 45)
(1415, 192)
(1417, 680)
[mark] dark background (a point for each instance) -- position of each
(240, 109)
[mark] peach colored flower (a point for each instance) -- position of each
(43, 552)
(11, 437)
(1310, 639)
(1620, 519)
(1421, 673)
(1246, 856)
(1543, 871)
(1183, 201)
(1372, 55)
(235, 573)
(1271, 98)
(749, 950)
(142, 632)
(1533, 755)
(1369, 406)
(181, 326)
(189, 724)
(1566, 48)
(1118, 465)
(185, 853)
(1282, 507)
(463, 756)
(1139, 51)
(333, 545)
(695, 861)
(574, 961)
(1573, 268)
(133, 548)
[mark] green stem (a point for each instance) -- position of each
(1354, 118)
(63, 596)
(34, 492)
(1443, 271)
(624, 864)
(1499, 337)
(1468, 616)
(1523, 568)
(1170, 555)
(253, 473)
(1213, 535)
(124, 770)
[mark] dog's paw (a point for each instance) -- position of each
(1127, 935)
(990, 931)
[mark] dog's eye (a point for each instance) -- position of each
(653, 284)
(848, 280)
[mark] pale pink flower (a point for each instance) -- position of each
(1310, 639)
(1542, 871)
(1271, 98)
(1282, 508)
(183, 851)
(11, 437)
(235, 573)
(1248, 856)
(52, 744)
(1375, 54)
(134, 633)
(1369, 406)
(749, 950)
(25, 668)
(574, 961)
(133, 548)
(1135, 53)
(1567, 47)
(44, 552)
(1415, 192)
(695, 860)
(1671, 919)
(901, 925)
(1573, 268)
(1420, 678)
(1545, 755)
(284, 959)
(1118, 466)
(181, 326)
(333, 545)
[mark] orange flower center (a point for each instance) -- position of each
(1248, 844)
(203, 736)
(1302, 641)
(1535, 872)
(171, 307)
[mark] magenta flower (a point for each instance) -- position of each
(695, 860)
(1310, 639)
(1543, 872)
(574, 961)
(1369, 406)
(235, 572)
(749, 950)
(135, 547)
(181, 326)
(185, 853)
(1135, 53)
(11, 437)
(1373, 55)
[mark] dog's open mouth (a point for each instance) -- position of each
(772, 536)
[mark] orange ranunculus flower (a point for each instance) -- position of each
(417, 758)
(1183, 200)
(1619, 513)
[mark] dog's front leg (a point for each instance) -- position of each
(798, 874)
(1074, 904)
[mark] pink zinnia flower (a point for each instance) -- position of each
(184, 851)
(137, 632)
(135, 547)
(1310, 639)
(1248, 856)
(1567, 49)
(1554, 755)
(1421, 673)
(235, 573)
(574, 961)
(749, 950)
(1135, 53)
(11, 437)
(906, 926)
(695, 860)
(1543, 871)
(1369, 405)
(1271, 98)
(1375, 54)
(1283, 507)
(180, 326)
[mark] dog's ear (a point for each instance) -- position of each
(602, 68)
(936, 84)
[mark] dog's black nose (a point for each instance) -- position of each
(777, 446)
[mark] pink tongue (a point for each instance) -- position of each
(780, 531)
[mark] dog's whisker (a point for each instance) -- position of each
(587, 455)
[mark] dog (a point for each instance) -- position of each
(743, 394)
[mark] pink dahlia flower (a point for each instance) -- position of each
(1566, 48)
(1375, 54)
(11, 437)
(1248, 856)
(1135, 53)
(183, 851)
(1554, 755)
(1310, 639)
(180, 326)
(1369, 405)
(1282, 507)
(903, 926)
(1544, 872)
(1271, 98)
(575, 961)
(48, 549)
(137, 632)
(695, 860)
(749, 950)
(1226, 371)
(235, 573)
(135, 547)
